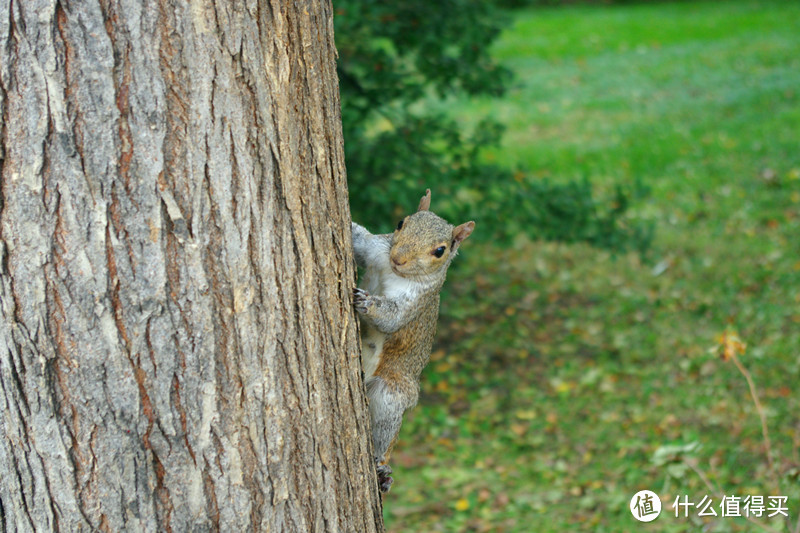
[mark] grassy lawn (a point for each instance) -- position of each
(561, 371)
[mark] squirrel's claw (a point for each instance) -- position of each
(361, 300)
(385, 483)
(384, 479)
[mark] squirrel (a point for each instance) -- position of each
(398, 307)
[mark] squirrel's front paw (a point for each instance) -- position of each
(384, 479)
(362, 301)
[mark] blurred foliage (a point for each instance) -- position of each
(556, 3)
(394, 57)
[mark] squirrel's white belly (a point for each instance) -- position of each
(384, 282)
(396, 287)
(371, 348)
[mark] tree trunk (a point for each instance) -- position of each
(178, 350)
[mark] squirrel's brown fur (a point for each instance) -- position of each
(399, 306)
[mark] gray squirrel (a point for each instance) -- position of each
(398, 305)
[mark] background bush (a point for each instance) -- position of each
(395, 58)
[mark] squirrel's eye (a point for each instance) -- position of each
(439, 252)
(399, 225)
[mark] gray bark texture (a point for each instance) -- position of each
(178, 350)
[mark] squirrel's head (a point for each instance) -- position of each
(424, 243)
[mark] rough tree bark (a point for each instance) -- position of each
(178, 350)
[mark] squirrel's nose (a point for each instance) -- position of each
(397, 262)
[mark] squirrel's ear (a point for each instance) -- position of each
(462, 232)
(425, 202)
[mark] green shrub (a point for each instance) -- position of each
(395, 56)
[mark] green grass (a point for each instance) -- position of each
(560, 370)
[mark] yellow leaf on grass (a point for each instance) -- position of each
(564, 386)
(444, 441)
(519, 429)
(526, 415)
(462, 504)
(443, 367)
(730, 345)
(437, 355)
